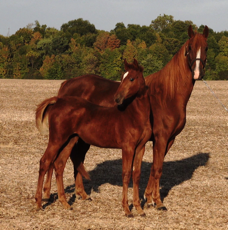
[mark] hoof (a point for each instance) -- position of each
(149, 205)
(129, 215)
(39, 209)
(80, 197)
(161, 208)
(68, 208)
(143, 214)
(88, 198)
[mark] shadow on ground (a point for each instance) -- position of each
(174, 173)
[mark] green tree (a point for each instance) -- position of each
(78, 26)
(111, 64)
(172, 45)
(122, 33)
(148, 35)
(130, 52)
(160, 52)
(151, 64)
(161, 22)
(40, 29)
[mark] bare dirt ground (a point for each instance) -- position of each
(194, 183)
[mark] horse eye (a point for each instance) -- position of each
(132, 79)
(190, 48)
(206, 48)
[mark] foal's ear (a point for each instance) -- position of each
(135, 63)
(205, 32)
(126, 65)
(190, 32)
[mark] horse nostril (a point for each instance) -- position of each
(117, 100)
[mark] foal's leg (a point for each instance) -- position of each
(48, 157)
(152, 192)
(77, 156)
(136, 178)
(47, 184)
(127, 158)
(59, 165)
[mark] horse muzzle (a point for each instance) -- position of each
(119, 99)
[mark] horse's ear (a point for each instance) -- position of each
(205, 32)
(126, 65)
(135, 62)
(190, 32)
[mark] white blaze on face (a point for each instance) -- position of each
(197, 68)
(125, 75)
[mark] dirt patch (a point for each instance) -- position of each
(194, 183)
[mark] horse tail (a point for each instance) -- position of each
(42, 112)
(81, 169)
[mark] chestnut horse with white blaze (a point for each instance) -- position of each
(125, 127)
(170, 90)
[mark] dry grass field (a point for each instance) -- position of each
(194, 183)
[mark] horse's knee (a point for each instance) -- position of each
(156, 172)
(136, 176)
(44, 165)
(59, 168)
(126, 177)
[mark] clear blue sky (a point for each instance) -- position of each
(104, 14)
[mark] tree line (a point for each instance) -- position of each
(41, 52)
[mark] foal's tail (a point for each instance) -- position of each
(42, 111)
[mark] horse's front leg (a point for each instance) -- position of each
(136, 178)
(152, 192)
(127, 158)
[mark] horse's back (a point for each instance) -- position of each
(91, 87)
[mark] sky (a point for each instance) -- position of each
(105, 14)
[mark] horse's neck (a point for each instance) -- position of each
(173, 81)
(141, 103)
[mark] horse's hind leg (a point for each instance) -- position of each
(77, 156)
(47, 184)
(48, 157)
(59, 165)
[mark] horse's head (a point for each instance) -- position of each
(196, 52)
(132, 82)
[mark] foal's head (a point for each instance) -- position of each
(196, 52)
(132, 82)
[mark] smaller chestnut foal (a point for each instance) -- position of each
(125, 126)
